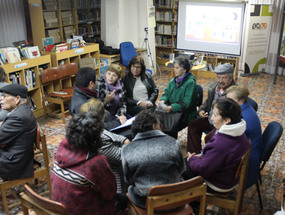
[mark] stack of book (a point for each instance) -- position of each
(95, 15)
(65, 4)
(69, 31)
(30, 78)
(50, 19)
(67, 18)
(49, 4)
(15, 78)
(55, 34)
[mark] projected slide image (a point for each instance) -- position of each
(212, 24)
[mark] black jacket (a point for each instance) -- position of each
(129, 82)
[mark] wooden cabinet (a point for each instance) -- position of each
(74, 56)
(166, 28)
(27, 72)
(89, 19)
(62, 18)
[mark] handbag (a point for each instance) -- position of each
(169, 122)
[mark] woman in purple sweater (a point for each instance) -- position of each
(219, 159)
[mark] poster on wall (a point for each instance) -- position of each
(258, 38)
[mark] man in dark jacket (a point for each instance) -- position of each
(203, 123)
(17, 134)
(84, 89)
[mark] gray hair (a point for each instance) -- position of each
(183, 62)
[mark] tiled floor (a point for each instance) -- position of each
(271, 106)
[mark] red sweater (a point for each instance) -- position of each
(83, 181)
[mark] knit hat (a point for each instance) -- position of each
(15, 90)
(224, 68)
(116, 68)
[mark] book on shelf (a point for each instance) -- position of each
(167, 29)
(12, 54)
(30, 77)
(15, 78)
(31, 52)
(61, 47)
(32, 103)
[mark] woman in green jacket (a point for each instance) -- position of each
(181, 94)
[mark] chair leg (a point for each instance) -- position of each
(62, 112)
(4, 199)
(259, 196)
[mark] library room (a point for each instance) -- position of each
(142, 107)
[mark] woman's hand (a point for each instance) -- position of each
(146, 104)
(122, 119)
(189, 155)
(168, 109)
(127, 141)
(110, 96)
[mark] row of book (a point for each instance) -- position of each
(166, 16)
(14, 54)
(65, 4)
(50, 5)
(165, 29)
(67, 18)
(165, 41)
(55, 34)
(166, 3)
(82, 4)
(50, 19)
(30, 78)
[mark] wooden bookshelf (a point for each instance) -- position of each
(35, 65)
(61, 18)
(74, 56)
(166, 25)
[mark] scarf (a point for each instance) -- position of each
(89, 92)
(179, 81)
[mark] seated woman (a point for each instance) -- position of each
(152, 158)
(112, 144)
(140, 90)
(181, 94)
(110, 91)
(82, 179)
(219, 159)
(253, 130)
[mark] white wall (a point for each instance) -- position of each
(125, 20)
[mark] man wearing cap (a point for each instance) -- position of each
(203, 123)
(17, 134)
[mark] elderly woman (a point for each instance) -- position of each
(112, 144)
(181, 94)
(219, 159)
(110, 91)
(253, 130)
(140, 90)
(152, 158)
(82, 179)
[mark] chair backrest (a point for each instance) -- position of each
(270, 138)
(50, 74)
(170, 196)
(31, 199)
(127, 51)
(200, 92)
(252, 103)
(68, 69)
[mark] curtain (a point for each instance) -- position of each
(275, 38)
(12, 22)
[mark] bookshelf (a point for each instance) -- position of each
(212, 60)
(61, 18)
(165, 31)
(74, 56)
(27, 72)
(89, 19)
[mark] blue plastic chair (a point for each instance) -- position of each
(127, 51)
(270, 138)
(252, 103)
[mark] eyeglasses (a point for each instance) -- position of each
(137, 67)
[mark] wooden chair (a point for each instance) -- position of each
(39, 204)
(174, 198)
(41, 147)
(223, 200)
(57, 88)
